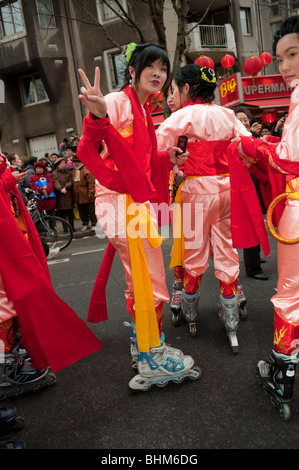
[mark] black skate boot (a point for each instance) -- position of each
(9, 421)
(277, 377)
(18, 376)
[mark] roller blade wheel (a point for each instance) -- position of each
(143, 384)
(175, 318)
(243, 311)
(233, 342)
(18, 389)
(277, 402)
(192, 328)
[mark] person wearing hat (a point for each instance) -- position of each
(63, 184)
(84, 194)
(42, 182)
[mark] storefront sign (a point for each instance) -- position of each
(236, 89)
(230, 90)
(265, 87)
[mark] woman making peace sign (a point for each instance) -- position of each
(130, 174)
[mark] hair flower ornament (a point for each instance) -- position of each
(129, 51)
(208, 75)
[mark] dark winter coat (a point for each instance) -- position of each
(63, 179)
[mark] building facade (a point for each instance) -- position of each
(44, 42)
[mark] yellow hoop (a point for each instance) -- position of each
(285, 241)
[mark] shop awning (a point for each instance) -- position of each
(274, 103)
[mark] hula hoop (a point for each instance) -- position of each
(285, 241)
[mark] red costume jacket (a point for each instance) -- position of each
(51, 331)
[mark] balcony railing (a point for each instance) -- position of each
(205, 37)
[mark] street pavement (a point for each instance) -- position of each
(91, 406)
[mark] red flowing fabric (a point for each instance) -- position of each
(207, 158)
(248, 228)
(51, 331)
(129, 178)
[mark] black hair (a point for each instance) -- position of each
(289, 26)
(167, 86)
(30, 161)
(242, 109)
(145, 54)
(199, 87)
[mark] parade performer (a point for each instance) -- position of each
(277, 375)
(37, 329)
(204, 197)
(176, 178)
(131, 175)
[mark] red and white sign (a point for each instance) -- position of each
(230, 90)
(237, 90)
(264, 87)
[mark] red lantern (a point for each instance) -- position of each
(266, 58)
(268, 117)
(228, 61)
(204, 61)
(252, 66)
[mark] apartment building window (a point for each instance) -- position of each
(108, 10)
(245, 21)
(11, 18)
(115, 66)
(33, 90)
(294, 5)
(45, 13)
(275, 8)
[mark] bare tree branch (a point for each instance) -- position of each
(202, 18)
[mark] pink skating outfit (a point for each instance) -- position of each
(205, 193)
(284, 158)
(110, 211)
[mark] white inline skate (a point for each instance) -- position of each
(277, 376)
(190, 309)
(158, 368)
(172, 352)
(229, 314)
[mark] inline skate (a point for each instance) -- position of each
(172, 352)
(18, 376)
(229, 314)
(9, 421)
(277, 376)
(190, 309)
(176, 301)
(158, 367)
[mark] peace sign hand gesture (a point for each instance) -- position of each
(91, 96)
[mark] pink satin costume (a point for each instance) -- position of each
(206, 190)
(286, 300)
(110, 212)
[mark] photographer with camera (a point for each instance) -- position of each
(279, 126)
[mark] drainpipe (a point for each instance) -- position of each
(74, 55)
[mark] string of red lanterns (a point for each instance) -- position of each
(252, 65)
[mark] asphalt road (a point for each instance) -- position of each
(91, 406)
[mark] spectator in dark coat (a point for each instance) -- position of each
(63, 186)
